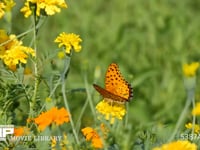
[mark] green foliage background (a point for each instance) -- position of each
(149, 40)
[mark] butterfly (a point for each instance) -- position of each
(117, 89)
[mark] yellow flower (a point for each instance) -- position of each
(177, 145)
(26, 9)
(91, 135)
(189, 70)
(9, 5)
(50, 7)
(111, 111)
(196, 110)
(7, 42)
(6, 6)
(65, 144)
(2, 6)
(53, 143)
(12, 52)
(18, 54)
(54, 115)
(196, 127)
(61, 55)
(69, 41)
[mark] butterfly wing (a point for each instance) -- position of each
(116, 84)
(108, 95)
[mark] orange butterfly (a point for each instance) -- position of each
(117, 89)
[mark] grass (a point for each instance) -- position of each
(149, 40)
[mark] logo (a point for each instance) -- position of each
(5, 130)
(9, 130)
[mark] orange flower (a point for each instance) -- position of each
(61, 116)
(21, 131)
(43, 120)
(92, 135)
(54, 115)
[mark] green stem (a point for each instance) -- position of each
(88, 100)
(33, 101)
(67, 63)
(127, 116)
(89, 97)
(81, 115)
(190, 96)
(194, 116)
(18, 36)
(55, 87)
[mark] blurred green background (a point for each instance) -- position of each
(149, 40)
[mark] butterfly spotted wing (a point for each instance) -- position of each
(117, 89)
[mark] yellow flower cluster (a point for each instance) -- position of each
(177, 145)
(64, 143)
(196, 112)
(111, 111)
(70, 41)
(12, 52)
(50, 7)
(189, 70)
(196, 127)
(6, 6)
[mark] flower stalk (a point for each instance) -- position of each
(63, 75)
(189, 71)
(182, 116)
(36, 84)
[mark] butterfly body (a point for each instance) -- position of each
(117, 89)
